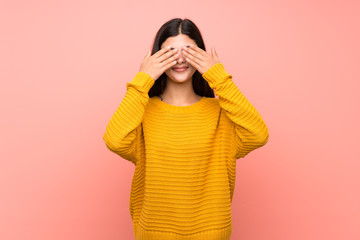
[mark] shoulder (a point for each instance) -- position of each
(153, 100)
(212, 102)
(209, 105)
(214, 105)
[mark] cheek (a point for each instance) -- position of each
(192, 69)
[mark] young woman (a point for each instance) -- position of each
(183, 141)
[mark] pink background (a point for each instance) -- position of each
(64, 66)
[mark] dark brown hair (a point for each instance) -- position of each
(173, 28)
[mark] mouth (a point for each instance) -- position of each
(180, 69)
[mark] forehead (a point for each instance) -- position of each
(178, 41)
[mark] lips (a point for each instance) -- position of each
(180, 69)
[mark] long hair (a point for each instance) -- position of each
(173, 28)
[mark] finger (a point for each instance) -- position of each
(165, 65)
(148, 54)
(162, 51)
(170, 54)
(193, 56)
(195, 53)
(193, 61)
(195, 48)
(216, 56)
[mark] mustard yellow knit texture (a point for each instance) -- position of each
(184, 157)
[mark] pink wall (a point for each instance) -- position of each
(63, 70)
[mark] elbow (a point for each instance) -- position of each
(258, 138)
(263, 137)
(121, 148)
(111, 145)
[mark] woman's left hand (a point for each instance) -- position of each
(200, 59)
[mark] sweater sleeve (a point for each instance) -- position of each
(250, 130)
(124, 130)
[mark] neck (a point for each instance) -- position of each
(179, 94)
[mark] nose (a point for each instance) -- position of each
(181, 57)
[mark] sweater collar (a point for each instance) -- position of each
(180, 109)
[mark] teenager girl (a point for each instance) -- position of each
(183, 141)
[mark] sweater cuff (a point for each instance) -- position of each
(215, 74)
(143, 80)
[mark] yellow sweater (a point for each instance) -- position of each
(184, 157)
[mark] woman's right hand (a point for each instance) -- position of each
(155, 65)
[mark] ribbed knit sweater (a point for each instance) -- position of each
(184, 157)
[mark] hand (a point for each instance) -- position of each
(155, 65)
(200, 59)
